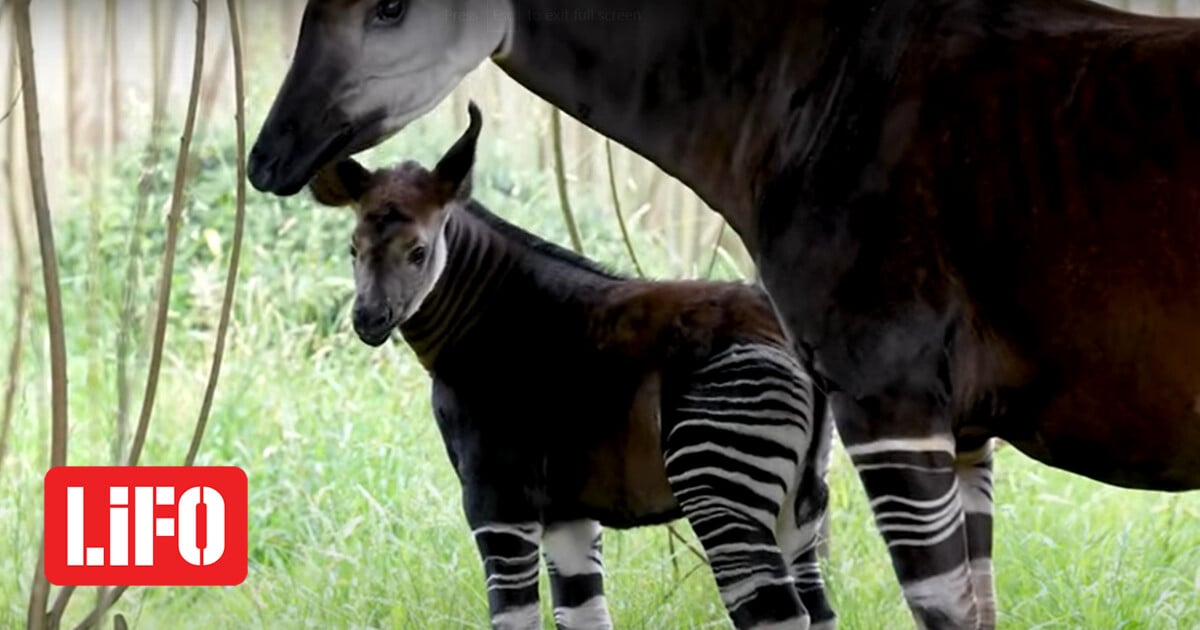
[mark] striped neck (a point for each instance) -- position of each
(477, 265)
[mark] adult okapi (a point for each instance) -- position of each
(976, 218)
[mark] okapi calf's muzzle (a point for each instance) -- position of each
(373, 322)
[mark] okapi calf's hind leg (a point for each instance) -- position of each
(736, 437)
(804, 527)
(511, 565)
(906, 460)
(574, 560)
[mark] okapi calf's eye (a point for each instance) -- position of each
(570, 397)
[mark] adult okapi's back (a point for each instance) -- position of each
(1061, 153)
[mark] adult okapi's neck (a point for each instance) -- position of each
(702, 89)
(477, 264)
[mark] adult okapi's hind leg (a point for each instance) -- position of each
(973, 466)
(906, 458)
(574, 560)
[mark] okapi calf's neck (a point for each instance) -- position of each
(570, 397)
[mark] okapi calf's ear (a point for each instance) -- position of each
(453, 171)
(340, 184)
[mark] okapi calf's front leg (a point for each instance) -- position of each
(574, 560)
(906, 458)
(511, 565)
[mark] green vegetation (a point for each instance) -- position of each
(354, 509)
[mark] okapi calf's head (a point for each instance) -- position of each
(399, 243)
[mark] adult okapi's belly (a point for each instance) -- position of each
(1120, 398)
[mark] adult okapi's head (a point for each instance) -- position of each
(399, 243)
(362, 70)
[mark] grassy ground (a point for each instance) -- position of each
(354, 516)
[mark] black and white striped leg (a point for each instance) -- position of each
(810, 586)
(511, 564)
(914, 494)
(904, 452)
(974, 468)
(734, 443)
(802, 536)
(574, 559)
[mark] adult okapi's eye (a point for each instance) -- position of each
(390, 11)
(353, 251)
(417, 255)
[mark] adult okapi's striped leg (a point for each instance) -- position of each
(974, 468)
(512, 565)
(735, 438)
(914, 492)
(574, 559)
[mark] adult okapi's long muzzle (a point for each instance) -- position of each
(310, 123)
(304, 131)
(362, 71)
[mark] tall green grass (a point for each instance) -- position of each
(354, 510)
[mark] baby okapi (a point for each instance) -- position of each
(569, 398)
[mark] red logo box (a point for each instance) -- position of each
(146, 525)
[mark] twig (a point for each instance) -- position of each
(712, 262)
(164, 292)
(24, 285)
(40, 591)
(683, 541)
(114, 66)
(236, 247)
(161, 72)
(12, 104)
(560, 178)
(671, 552)
(616, 200)
(210, 89)
(173, 220)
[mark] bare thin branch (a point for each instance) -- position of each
(164, 290)
(689, 546)
(173, 219)
(616, 201)
(114, 67)
(236, 246)
(716, 249)
(161, 71)
(40, 592)
(560, 178)
(12, 105)
(24, 283)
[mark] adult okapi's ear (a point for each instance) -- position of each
(341, 183)
(453, 171)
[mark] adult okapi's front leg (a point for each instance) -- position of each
(905, 457)
(974, 468)
(574, 559)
